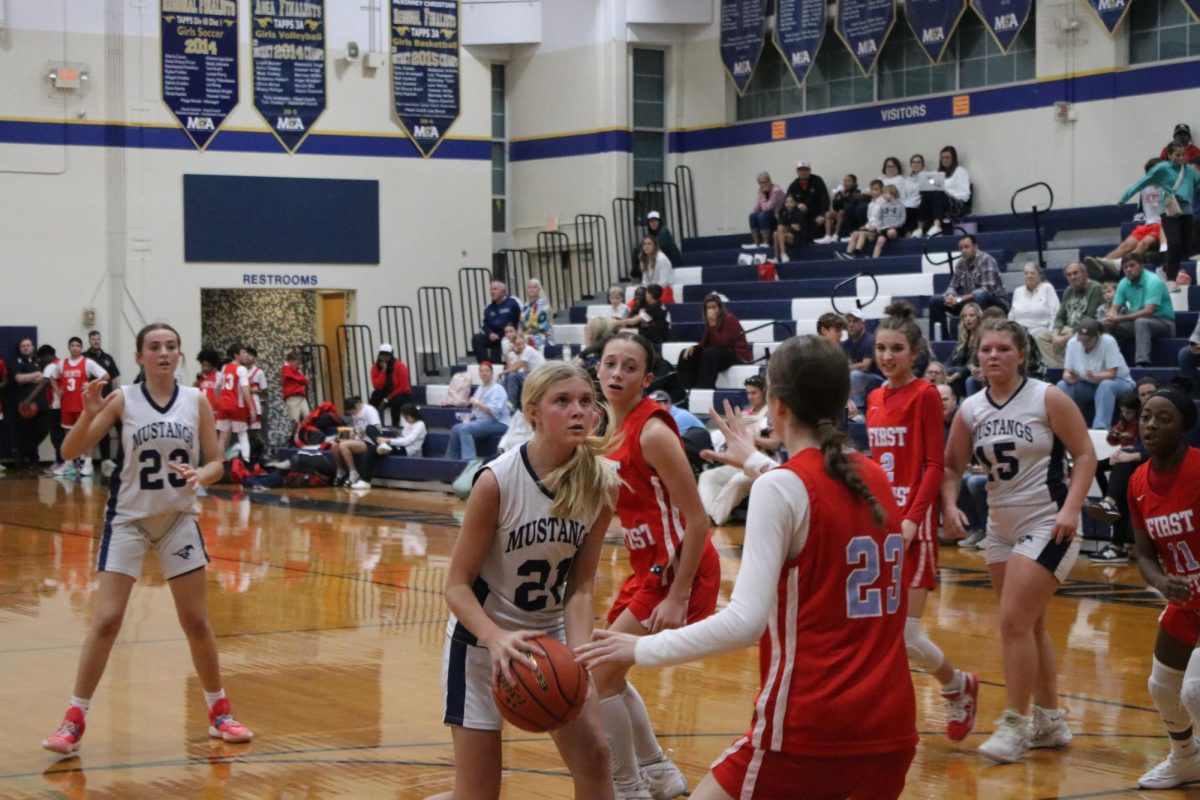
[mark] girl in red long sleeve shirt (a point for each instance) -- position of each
(389, 379)
(295, 389)
(722, 345)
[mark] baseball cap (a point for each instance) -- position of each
(1183, 128)
(854, 312)
(654, 215)
(1088, 328)
(660, 396)
(802, 164)
(385, 348)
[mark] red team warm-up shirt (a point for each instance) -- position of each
(1167, 507)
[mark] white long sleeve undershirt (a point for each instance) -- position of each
(776, 530)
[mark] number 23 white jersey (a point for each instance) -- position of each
(1015, 444)
(151, 437)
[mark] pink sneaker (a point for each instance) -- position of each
(961, 708)
(222, 725)
(66, 739)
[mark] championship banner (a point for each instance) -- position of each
(1193, 7)
(933, 21)
(199, 56)
(1003, 19)
(799, 29)
(743, 25)
(425, 69)
(287, 46)
(1111, 12)
(864, 26)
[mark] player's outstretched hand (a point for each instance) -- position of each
(1065, 525)
(93, 402)
(607, 647)
(503, 647)
(739, 439)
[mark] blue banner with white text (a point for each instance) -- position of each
(743, 26)
(425, 69)
(199, 59)
(287, 49)
(1193, 7)
(1003, 19)
(799, 29)
(933, 22)
(864, 26)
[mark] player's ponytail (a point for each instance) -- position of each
(583, 484)
(809, 375)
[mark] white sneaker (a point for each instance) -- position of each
(108, 464)
(637, 791)
(916, 233)
(783, 258)
(61, 468)
(87, 468)
(934, 231)
(360, 484)
(1050, 729)
(384, 449)
(844, 239)
(1010, 740)
(664, 778)
(1172, 772)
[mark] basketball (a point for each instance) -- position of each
(28, 410)
(550, 687)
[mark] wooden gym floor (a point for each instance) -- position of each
(329, 613)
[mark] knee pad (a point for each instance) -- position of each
(922, 653)
(1166, 690)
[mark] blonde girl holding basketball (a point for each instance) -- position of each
(168, 451)
(508, 582)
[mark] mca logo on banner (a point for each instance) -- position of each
(1003, 19)
(864, 26)
(799, 29)
(1112, 12)
(743, 26)
(933, 22)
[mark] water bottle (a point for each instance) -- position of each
(937, 331)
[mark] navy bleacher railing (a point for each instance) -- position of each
(594, 255)
(949, 242)
(554, 269)
(314, 362)
(628, 217)
(435, 317)
(789, 330)
(356, 353)
(397, 325)
(474, 292)
(663, 196)
(858, 303)
(1037, 212)
(687, 196)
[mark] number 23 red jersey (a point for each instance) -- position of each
(832, 661)
(1172, 520)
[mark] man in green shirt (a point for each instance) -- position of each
(1080, 300)
(1141, 309)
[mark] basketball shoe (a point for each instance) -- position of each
(66, 739)
(664, 778)
(1175, 771)
(1049, 729)
(961, 707)
(1010, 740)
(222, 725)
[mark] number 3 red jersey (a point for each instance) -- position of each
(832, 662)
(1172, 520)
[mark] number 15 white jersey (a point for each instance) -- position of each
(1014, 443)
(151, 437)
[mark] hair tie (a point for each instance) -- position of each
(821, 423)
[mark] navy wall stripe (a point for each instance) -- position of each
(575, 144)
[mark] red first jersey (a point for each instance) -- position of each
(896, 432)
(832, 661)
(207, 383)
(1172, 520)
(651, 524)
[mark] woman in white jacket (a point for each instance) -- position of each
(935, 205)
(412, 433)
(1035, 304)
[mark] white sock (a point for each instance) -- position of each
(243, 445)
(353, 476)
(211, 698)
(955, 685)
(1166, 687)
(81, 703)
(645, 744)
(620, 741)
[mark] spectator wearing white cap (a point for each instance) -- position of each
(662, 234)
(812, 197)
(389, 383)
(859, 346)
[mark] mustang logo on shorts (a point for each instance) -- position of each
(186, 552)
(1028, 537)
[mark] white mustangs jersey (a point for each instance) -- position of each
(1015, 444)
(151, 436)
(523, 578)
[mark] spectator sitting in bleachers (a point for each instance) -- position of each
(597, 328)
(620, 309)
(522, 360)
(1108, 293)
(869, 227)
(501, 312)
(1178, 180)
(362, 417)
(911, 194)
(489, 416)
(767, 200)
(649, 316)
(893, 217)
(1189, 360)
(390, 384)
(722, 345)
(910, 199)
(1141, 309)
(811, 197)
(1113, 475)
(961, 365)
(1080, 300)
(789, 234)
(1147, 236)
(940, 206)
(976, 280)
(412, 434)
(506, 342)
(723, 488)
(536, 316)
(847, 211)
(935, 373)
(1035, 303)
(859, 346)
(663, 238)
(831, 326)
(1095, 373)
(656, 268)
(692, 431)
